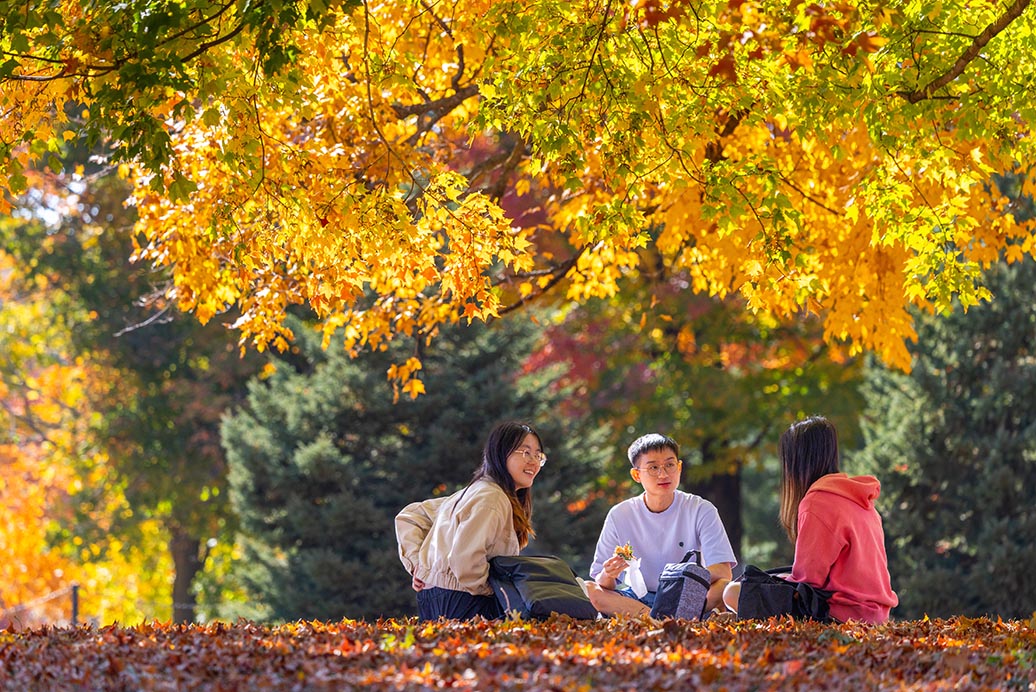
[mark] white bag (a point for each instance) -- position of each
(635, 578)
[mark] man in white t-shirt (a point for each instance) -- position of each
(661, 525)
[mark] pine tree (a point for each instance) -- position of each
(321, 460)
(954, 444)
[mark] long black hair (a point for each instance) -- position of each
(504, 439)
(807, 450)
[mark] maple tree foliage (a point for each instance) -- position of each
(50, 451)
(832, 158)
(558, 654)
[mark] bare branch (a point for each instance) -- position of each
(805, 195)
(160, 317)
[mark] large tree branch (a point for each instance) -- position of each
(714, 149)
(510, 165)
(980, 41)
(443, 105)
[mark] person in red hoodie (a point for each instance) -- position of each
(837, 532)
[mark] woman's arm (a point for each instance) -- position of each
(721, 576)
(412, 526)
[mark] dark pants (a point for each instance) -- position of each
(434, 603)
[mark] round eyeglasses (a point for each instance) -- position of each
(538, 457)
(655, 470)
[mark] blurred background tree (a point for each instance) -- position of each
(52, 451)
(167, 379)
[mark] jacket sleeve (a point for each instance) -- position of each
(412, 526)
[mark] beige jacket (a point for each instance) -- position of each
(448, 541)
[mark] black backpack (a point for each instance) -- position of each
(536, 586)
(765, 595)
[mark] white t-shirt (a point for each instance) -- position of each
(690, 523)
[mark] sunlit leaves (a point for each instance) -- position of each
(770, 191)
(609, 654)
(827, 158)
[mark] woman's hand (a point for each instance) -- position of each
(417, 584)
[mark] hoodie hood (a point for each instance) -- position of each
(863, 490)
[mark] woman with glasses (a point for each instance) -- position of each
(660, 525)
(446, 543)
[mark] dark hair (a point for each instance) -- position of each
(504, 439)
(807, 450)
(649, 443)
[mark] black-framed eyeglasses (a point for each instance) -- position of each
(528, 456)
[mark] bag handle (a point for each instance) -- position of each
(692, 554)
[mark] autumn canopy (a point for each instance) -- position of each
(403, 164)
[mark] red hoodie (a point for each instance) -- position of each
(841, 547)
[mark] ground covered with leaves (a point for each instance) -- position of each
(558, 654)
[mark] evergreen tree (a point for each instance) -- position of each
(321, 460)
(954, 444)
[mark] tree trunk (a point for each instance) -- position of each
(724, 491)
(187, 562)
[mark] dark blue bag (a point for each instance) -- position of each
(682, 589)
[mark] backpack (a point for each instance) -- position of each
(682, 589)
(765, 595)
(536, 586)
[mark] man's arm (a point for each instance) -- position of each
(720, 570)
(604, 553)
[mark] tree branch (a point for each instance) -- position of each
(205, 20)
(980, 41)
(96, 69)
(497, 190)
(558, 273)
(443, 105)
